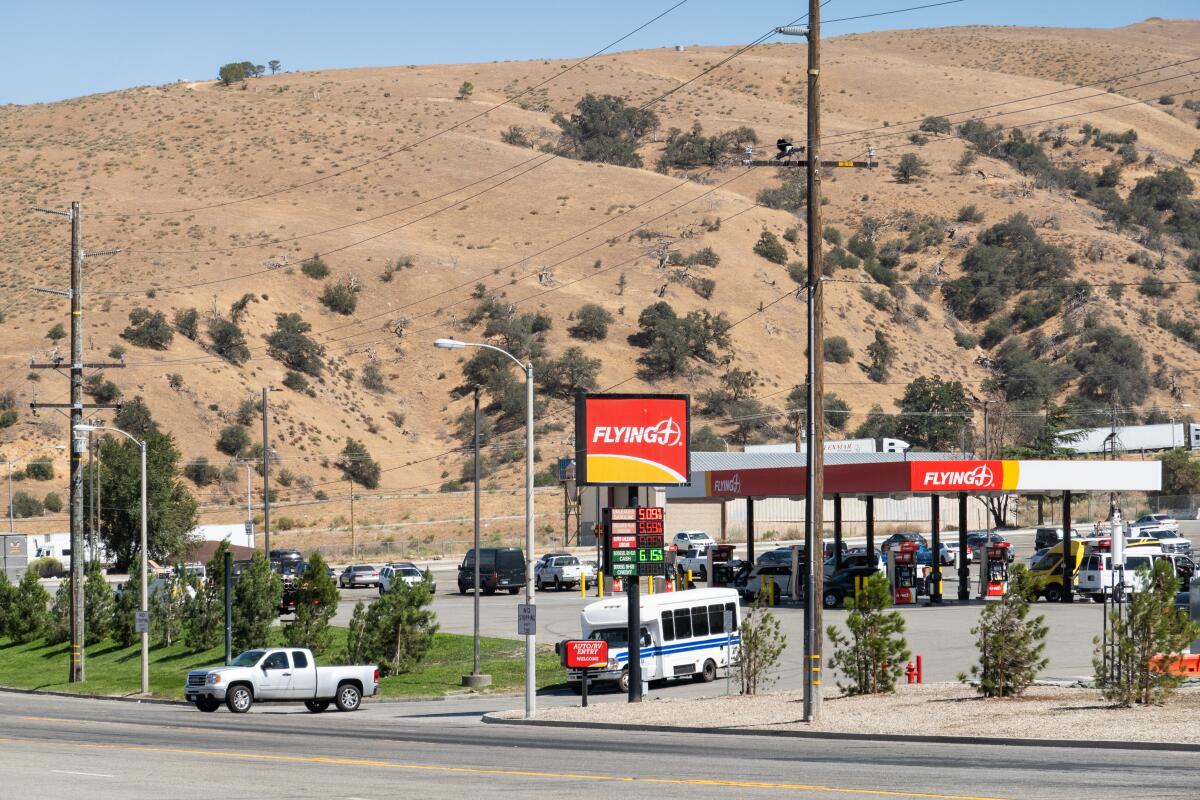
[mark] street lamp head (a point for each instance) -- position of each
(83, 427)
(449, 344)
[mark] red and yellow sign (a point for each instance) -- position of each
(637, 439)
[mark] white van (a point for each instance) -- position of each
(1097, 577)
(683, 636)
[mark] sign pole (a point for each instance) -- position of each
(586, 680)
(635, 640)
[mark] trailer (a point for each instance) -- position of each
(1132, 438)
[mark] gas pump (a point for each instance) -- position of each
(902, 572)
(993, 575)
(720, 569)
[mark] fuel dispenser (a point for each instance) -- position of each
(902, 571)
(993, 575)
(720, 566)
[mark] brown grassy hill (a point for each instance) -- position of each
(204, 147)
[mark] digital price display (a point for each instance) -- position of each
(650, 512)
(636, 540)
(649, 526)
(650, 540)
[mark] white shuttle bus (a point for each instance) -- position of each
(683, 636)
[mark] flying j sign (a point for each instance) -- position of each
(639, 439)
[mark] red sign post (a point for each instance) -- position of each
(584, 654)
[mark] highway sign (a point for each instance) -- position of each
(526, 619)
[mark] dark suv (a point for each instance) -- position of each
(499, 568)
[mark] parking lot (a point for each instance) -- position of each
(940, 634)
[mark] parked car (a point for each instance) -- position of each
(694, 559)
(897, 538)
(841, 584)
(404, 571)
(749, 582)
(277, 674)
(983, 539)
(499, 568)
(1048, 537)
(687, 539)
(1157, 521)
(949, 553)
(358, 575)
(783, 555)
(561, 572)
(1169, 540)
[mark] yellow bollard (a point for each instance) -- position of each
(600, 584)
(770, 587)
(582, 585)
(689, 583)
(649, 584)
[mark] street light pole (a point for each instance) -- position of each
(530, 590)
(145, 513)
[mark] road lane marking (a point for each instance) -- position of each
(85, 774)
(361, 762)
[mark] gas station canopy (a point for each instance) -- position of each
(903, 478)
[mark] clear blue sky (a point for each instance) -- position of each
(55, 49)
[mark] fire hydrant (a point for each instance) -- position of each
(910, 672)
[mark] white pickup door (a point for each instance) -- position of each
(275, 683)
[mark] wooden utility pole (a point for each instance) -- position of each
(353, 546)
(79, 444)
(266, 455)
(814, 540)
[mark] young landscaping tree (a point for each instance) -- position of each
(316, 603)
(27, 613)
(257, 595)
(97, 604)
(356, 635)
(1146, 641)
(872, 656)
(8, 596)
(400, 627)
(58, 626)
(168, 609)
(762, 644)
(126, 604)
(1010, 643)
(203, 628)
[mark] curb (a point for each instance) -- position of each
(161, 701)
(1185, 747)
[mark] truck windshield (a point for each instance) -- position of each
(248, 658)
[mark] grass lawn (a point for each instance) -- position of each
(115, 670)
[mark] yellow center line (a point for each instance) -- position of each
(361, 762)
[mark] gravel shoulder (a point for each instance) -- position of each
(944, 709)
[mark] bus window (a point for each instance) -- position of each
(683, 623)
(716, 618)
(732, 609)
(668, 627)
(699, 621)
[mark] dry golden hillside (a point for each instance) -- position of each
(193, 178)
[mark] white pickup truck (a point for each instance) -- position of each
(562, 571)
(280, 674)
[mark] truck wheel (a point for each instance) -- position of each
(709, 673)
(208, 704)
(462, 589)
(1053, 594)
(316, 706)
(623, 682)
(239, 699)
(514, 590)
(832, 599)
(348, 697)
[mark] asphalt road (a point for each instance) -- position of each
(103, 750)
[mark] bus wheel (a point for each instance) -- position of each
(623, 681)
(709, 673)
